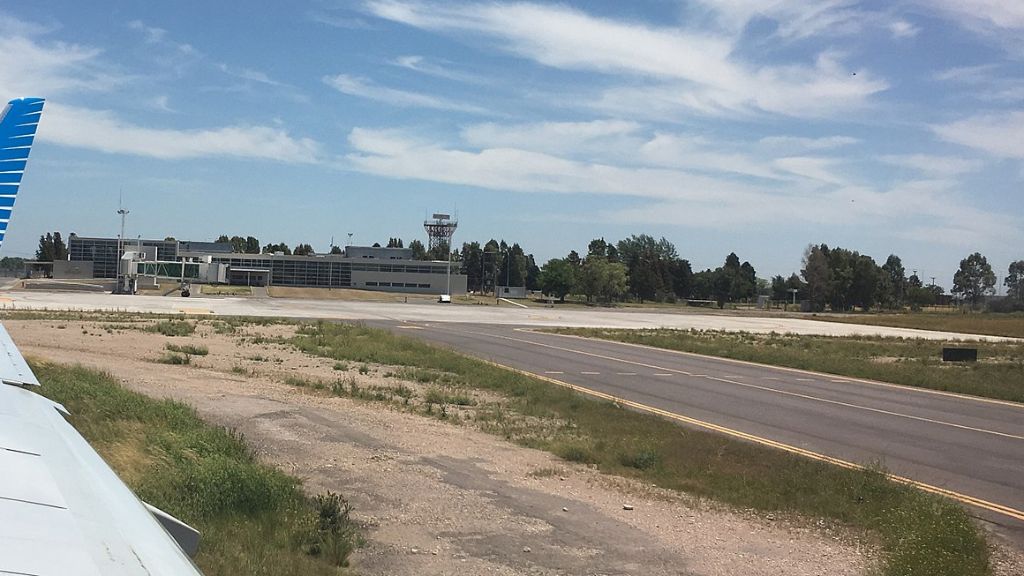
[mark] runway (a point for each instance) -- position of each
(427, 311)
(971, 448)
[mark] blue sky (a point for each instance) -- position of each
(723, 125)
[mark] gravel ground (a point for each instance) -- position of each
(438, 497)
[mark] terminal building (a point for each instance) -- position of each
(362, 267)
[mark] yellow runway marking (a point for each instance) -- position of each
(963, 498)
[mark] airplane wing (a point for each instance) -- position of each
(63, 511)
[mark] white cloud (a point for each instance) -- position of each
(362, 88)
(903, 29)
(568, 138)
(438, 69)
(395, 155)
(820, 169)
(986, 82)
(13, 26)
(339, 21)
(677, 180)
(795, 18)
(791, 144)
(999, 134)
(685, 70)
(968, 74)
(34, 69)
(1003, 14)
(696, 154)
(153, 35)
(103, 131)
(935, 166)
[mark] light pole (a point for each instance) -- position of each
(120, 248)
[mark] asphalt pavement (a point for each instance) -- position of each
(973, 448)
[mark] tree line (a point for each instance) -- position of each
(845, 280)
(644, 269)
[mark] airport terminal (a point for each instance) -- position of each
(140, 263)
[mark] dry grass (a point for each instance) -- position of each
(1011, 325)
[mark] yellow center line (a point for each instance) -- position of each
(770, 389)
(959, 497)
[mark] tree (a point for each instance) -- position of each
(648, 265)
(394, 243)
(974, 279)
(45, 251)
(893, 282)
(273, 248)
(418, 251)
(336, 250)
(223, 239)
(864, 286)
(60, 249)
(558, 278)
(1014, 281)
(532, 273)
(303, 250)
(778, 288)
(602, 279)
(252, 245)
(473, 265)
(682, 278)
(12, 264)
(817, 275)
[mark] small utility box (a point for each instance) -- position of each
(950, 354)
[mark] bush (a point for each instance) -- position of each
(189, 349)
(173, 328)
(176, 359)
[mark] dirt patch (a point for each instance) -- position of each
(439, 497)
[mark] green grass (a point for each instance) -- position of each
(173, 328)
(918, 533)
(189, 349)
(998, 373)
(223, 290)
(1011, 325)
(254, 519)
(175, 359)
(437, 395)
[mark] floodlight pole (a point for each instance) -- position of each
(120, 248)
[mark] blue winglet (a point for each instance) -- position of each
(17, 130)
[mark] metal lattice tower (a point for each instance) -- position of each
(440, 229)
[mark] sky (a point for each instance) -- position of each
(755, 127)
